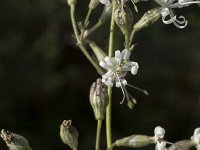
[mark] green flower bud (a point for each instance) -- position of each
(70, 2)
(99, 53)
(15, 141)
(135, 141)
(93, 4)
(124, 19)
(148, 18)
(182, 145)
(99, 99)
(69, 134)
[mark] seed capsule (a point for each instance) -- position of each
(124, 19)
(69, 134)
(99, 99)
(148, 18)
(182, 145)
(15, 141)
(135, 141)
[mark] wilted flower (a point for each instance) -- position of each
(196, 138)
(159, 133)
(168, 6)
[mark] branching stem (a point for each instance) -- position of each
(80, 43)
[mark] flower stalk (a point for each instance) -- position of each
(98, 134)
(80, 42)
(110, 54)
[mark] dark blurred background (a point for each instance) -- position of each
(44, 78)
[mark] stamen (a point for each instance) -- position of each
(122, 88)
(139, 89)
(193, 2)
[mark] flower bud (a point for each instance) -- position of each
(99, 99)
(15, 141)
(99, 53)
(69, 134)
(182, 145)
(93, 4)
(148, 18)
(135, 141)
(124, 19)
(70, 2)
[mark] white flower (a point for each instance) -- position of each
(117, 68)
(196, 138)
(159, 133)
(167, 11)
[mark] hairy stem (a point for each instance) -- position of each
(80, 43)
(110, 54)
(98, 135)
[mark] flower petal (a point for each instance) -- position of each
(103, 64)
(126, 54)
(134, 69)
(118, 56)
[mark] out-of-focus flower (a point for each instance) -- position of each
(168, 15)
(159, 133)
(196, 138)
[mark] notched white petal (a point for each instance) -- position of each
(126, 54)
(118, 56)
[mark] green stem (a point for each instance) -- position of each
(108, 119)
(110, 54)
(80, 43)
(94, 28)
(87, 17)
(99, 125)
(112, 28)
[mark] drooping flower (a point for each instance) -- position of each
(159, 133)
(117, 68)
(167, 11)
(196, 138)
